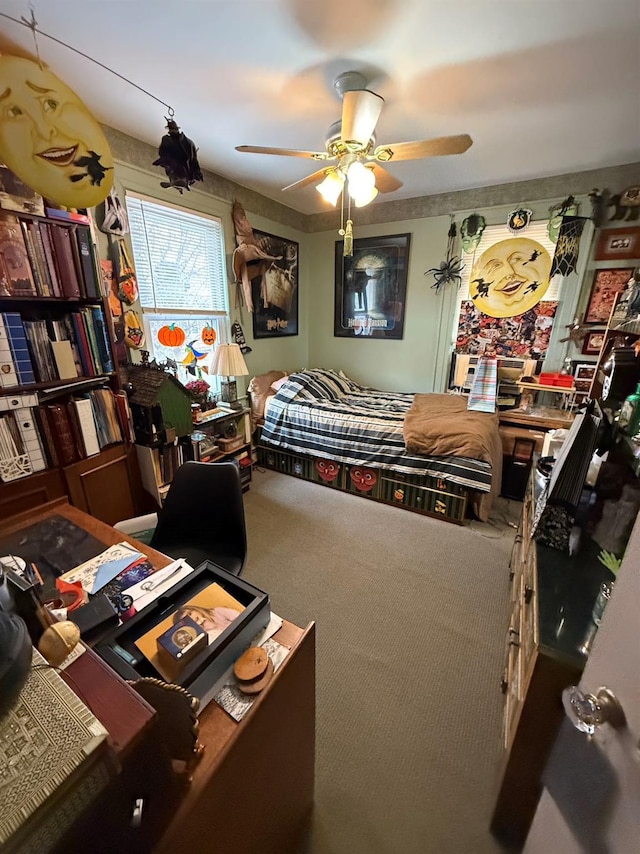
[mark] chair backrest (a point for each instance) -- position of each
(204, 508)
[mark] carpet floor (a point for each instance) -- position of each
(411, 617)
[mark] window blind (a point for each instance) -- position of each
(179, 258)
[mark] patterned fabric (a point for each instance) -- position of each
(324, 415)
(484, 390)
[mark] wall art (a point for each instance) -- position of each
(371, 288)
(618, 243)
(593, 342)
(275, 291)
(525, 335)
(606, 285)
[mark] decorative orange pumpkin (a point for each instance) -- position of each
(171, 336)
(208, 334)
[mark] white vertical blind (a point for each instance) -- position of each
(179, 258)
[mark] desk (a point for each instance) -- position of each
(253, 788)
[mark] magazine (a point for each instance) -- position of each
(95, 573)
(212, 608)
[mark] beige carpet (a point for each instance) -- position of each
(411, 617)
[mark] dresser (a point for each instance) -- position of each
(546, 646)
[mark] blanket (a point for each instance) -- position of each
(441, 425)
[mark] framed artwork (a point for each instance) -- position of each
(275, 291)
(607, 284)
(618, 243)
(583, 376)
(593, 342)
(371, 288)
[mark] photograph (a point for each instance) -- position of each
(525, 336)
(275, 290)
(607, 284)
(593, 342)
(213, 609)
(371, 287)
(583, 376)
(618, 243)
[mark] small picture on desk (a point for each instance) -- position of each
(583, 377)
(213, 609)
(593, 342)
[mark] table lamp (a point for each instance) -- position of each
(228, 362)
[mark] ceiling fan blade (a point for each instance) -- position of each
(310, 179)
(286, 152)
(423, 148)
(385, 181)
(360, 112)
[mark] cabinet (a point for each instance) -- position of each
(63, 418)
(549, 633)
(225, 435)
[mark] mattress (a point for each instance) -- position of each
(321, 414)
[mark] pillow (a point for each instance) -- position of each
(277, 385)
(259, 389)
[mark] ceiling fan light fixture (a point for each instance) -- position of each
(331, 187)
(362, 184)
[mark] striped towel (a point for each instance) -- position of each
(482, 397)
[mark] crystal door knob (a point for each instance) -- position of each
(588, 711)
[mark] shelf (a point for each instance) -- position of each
(552, 388)
(48, 301)
(57, 385)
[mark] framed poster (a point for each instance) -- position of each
(618, 243)
(275, 291)
(607, 284)
(371, 288)
(583, 376)
(593, 342)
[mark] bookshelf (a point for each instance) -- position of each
(65, 425)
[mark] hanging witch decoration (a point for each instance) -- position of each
(178, 157)
(450, 270)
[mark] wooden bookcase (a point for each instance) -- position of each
(61, 433)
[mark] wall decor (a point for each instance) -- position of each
(510, 277)
(526, 335)
(371, 287)
(618, 243)
(274, 290)
(583, 376)
(606, 285)
(49, 138)
(178, 156)
(449, 270)
(471, 231)
(565, 257)
(593, 342)
(519, 219)
(15, 195)
(626, 205)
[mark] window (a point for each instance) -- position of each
(180, 267)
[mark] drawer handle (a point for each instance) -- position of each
(528, 593)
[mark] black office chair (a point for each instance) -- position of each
(203, 517)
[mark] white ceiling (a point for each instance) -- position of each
(544, 87)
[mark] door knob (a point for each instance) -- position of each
(588, 711)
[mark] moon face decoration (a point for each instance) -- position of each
(49, 138)
(510, 277)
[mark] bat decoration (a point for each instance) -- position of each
(179, 159)
(577, 331)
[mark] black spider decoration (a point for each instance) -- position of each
(451, 268)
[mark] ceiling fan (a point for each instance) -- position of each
(352, 151)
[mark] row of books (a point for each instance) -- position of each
(36, 436)
(41, 351)
(46, 259)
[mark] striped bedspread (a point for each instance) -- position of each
(323, 414)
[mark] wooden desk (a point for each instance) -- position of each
(253, 789)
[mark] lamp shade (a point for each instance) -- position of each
(228, 361)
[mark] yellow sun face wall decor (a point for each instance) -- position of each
(48, 137)
(510, 277)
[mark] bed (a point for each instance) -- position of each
(423, 452)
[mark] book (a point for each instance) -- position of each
(33, 261)
(46, 436)
(67, 215)
(212, 608)
(41, 258)
(87, 318)
(61, 237)
(102, 338)
(86, 261)
(65, 363)
(84, 411)
(14, 329)
(16, 277)
(61, 432)
(47, 243)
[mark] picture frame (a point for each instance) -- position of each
(593, 342)
(371, 288)
(618, 244)
(583, 376)
(607, 284)
(274, 290)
